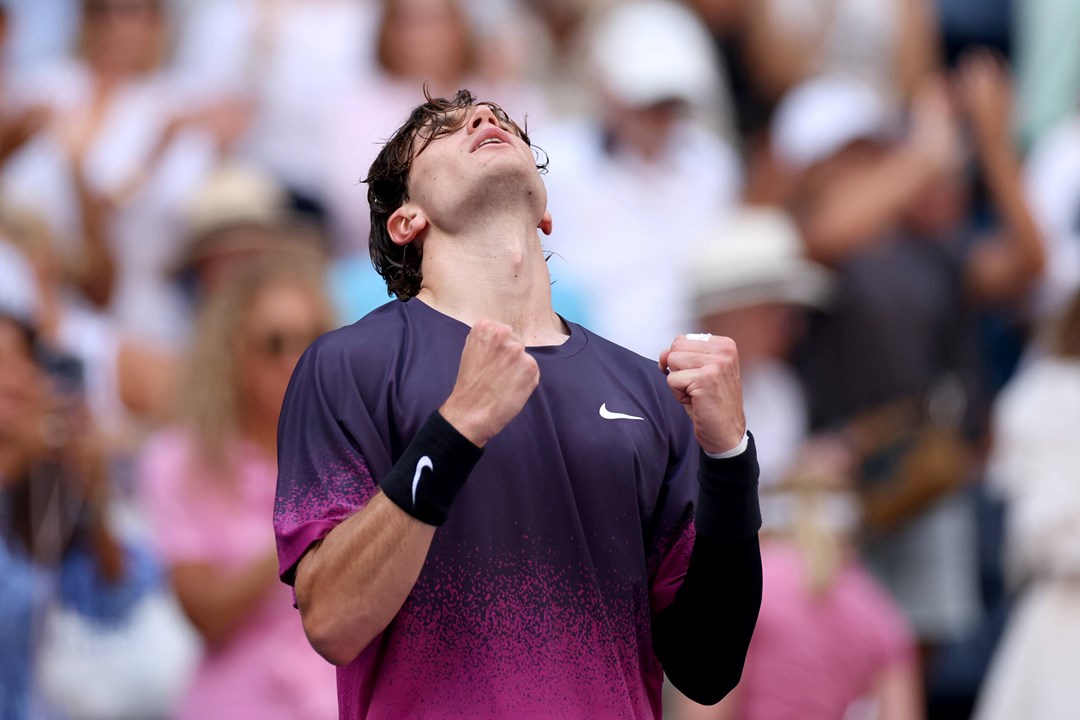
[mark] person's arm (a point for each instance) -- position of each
(778, 59)
(217, 601)
(846, 213)
(898, 693)
(917, 57)
(94, 271)
(350, 585)
(16, 131)
(702, 637)
(146, 378)
(1007, 266)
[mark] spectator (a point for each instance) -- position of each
(128, 384)
(890, 45)
(827, 636)
(751, 281)
(290, 61)
(896, 359)
(124, 146)
(631, 188)
(238, 215)
(419, 43)
(58, 553)
(209, 487)
(1033, 466)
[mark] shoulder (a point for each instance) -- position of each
(617, 355)
(355, 358)
(369, 338)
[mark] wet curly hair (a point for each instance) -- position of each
(388, 181)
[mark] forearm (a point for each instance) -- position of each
(917, 54)
(856, 211)
(217, 601)
(94, 269)
(352, 584)
(702, 638)
(1007, 267)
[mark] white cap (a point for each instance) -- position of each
(649, 51)
(19, 297)
(235, 194)
(751, 257)
(822, 116)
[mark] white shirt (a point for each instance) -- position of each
(147, 228)
(627, 228)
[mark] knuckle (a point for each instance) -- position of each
(725, 344)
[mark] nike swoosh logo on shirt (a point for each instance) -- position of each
(608, 415)
(425, 462)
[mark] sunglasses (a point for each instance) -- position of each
(99, 9)
(278, 343)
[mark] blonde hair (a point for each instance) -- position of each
(210, 404)
(821, 546)
(816, 512)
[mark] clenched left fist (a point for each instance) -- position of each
(703, 373)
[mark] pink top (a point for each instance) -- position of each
(812, 656)
(267, 670)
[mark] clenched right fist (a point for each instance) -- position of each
(495, 379)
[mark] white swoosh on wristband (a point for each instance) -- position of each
(424, 462)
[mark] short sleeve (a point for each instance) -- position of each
(323, 474)
(673, 521)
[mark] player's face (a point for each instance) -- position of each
(481, 159)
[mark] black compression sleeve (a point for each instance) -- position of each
(727, 495)
(431, 471)
(701, 639)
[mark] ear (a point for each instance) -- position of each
(406, 223)
(545, 223)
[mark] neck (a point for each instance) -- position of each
(261, 429)
(495, 271)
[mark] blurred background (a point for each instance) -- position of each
(878, 199)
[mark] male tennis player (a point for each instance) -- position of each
(487, 511)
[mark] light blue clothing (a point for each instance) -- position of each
(1048, 64)
(356, 289)
(41, 30)
(26, 591)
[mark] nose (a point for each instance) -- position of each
(482, 115)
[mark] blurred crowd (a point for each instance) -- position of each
(879, 200)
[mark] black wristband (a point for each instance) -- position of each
(727, 498)
(433, 468)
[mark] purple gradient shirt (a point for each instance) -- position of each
(573, 530)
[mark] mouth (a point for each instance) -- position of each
(490, 136)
